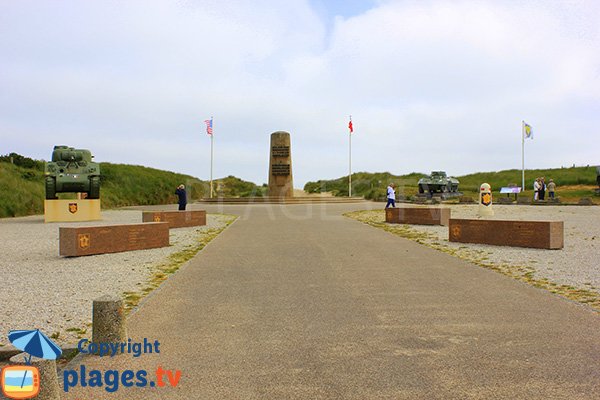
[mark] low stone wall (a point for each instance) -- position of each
(535, 234)
(176, 219)
(418, 215)
(84, 241)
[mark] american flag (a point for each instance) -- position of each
(208, 123)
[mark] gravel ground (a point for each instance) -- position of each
(572, 272)
(42, 290)
(576, 265)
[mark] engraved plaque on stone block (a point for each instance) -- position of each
(280, 151)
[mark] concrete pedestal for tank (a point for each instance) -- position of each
(75, 210)
(280, 166)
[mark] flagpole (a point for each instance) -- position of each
(523, 155)
(350, 162)
(211, 158)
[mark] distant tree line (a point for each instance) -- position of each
(22, 161)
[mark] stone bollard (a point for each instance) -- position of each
(108, 320)
(485, 201)
(49, 388)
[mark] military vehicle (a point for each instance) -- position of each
(438, 182)
(72, 170)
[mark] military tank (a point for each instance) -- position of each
(72, 170)
(438, 182)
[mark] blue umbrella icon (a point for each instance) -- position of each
(36, 344)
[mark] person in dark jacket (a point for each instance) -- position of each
(180, 192)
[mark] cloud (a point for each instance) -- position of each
(431, 85)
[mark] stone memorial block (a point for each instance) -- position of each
(418, 215)
(84, 241)
(176, 219)
(536, 234)
(280, 166)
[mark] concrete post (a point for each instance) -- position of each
(48, 379)
(108, 320)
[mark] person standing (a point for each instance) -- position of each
(536, 189)
(551, 188)
(182, 197)
(542, 195)
(391, 196)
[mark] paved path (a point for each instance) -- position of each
(297, 302)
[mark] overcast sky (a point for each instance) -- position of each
(430, 85)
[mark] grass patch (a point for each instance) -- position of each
(22, 188)
(376, 218)
(79, 331)
(572, 183)
(174, 262)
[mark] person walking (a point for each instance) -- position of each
(551, 188)
(391, 196)
(182, 197)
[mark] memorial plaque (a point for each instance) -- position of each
(280, 169)
(176, 219)
(535, 234)
(418, 215)
(85, 241)
(280, 151)
(280, 166)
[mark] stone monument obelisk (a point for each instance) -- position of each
(280, 166)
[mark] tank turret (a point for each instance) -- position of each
(72, 170)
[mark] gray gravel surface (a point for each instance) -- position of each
(578, 264)
(42, 290)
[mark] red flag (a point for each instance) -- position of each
(350, 126)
